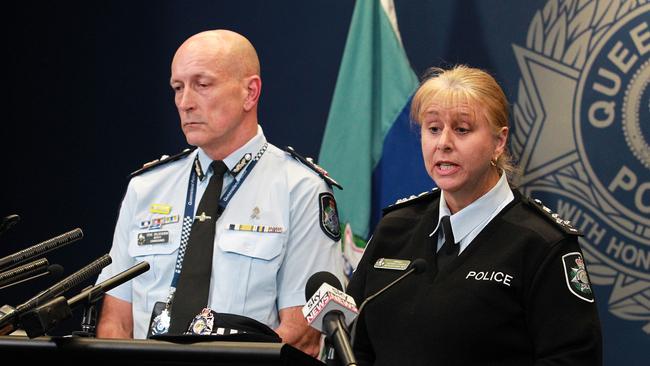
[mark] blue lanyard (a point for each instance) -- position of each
(235, 184)
(188, 217)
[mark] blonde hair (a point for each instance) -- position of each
(463, 84)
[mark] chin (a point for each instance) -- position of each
(193, 138)
(194, 142)
(448, 185)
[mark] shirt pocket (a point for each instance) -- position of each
(265, 246)
(247, 264)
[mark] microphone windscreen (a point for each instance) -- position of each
(420, 265)
(55, 270)
(8, 221)
(317, 279)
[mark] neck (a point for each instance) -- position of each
(457, 201)
(230, 144)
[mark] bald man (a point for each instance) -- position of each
(271, 236)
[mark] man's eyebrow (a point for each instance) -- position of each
(197, 75)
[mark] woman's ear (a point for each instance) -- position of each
(501, 140)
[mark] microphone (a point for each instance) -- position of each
(110, 283)
(330, 310)
(45, 317)
(9, 315)
(29, 271)
(53, 270)
(41, 248)
(7, 222)
(418, 266)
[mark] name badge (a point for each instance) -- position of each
(154, 237)
(394, 264)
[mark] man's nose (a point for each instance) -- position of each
(185, 100)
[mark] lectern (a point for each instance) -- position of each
(92, 351)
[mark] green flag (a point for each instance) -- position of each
(374, 84)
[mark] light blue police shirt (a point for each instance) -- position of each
(253, 273)
(467, 223)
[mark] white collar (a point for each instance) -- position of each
(251, 147)
(476, 213)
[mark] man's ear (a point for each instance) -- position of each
(253, 86)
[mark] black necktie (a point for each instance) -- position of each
(193, 285)
(449, 249)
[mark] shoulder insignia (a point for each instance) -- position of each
(329, 217)
(406, 201)
(577, 279)
(162, 161)
(564, 225)
(309, 162)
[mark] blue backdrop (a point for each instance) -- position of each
(86, 100)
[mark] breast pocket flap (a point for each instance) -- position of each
(256, 245)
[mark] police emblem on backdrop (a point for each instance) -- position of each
(329, 216)
(586, 152)
(576, 276)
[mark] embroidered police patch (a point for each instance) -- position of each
(329, 216)
(202, 323)
(576, 276)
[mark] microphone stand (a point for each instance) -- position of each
(45, 317)
(89, 317)
(331, 358)
(88, 322)
(338, 336)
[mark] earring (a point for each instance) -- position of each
(493, 162)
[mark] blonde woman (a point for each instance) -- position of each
(505, 282)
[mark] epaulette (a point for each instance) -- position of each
(162, 161)
(564, 225)
(309, 162)
(406, 201)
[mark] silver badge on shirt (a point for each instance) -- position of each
(160, 319)
(394, 264)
